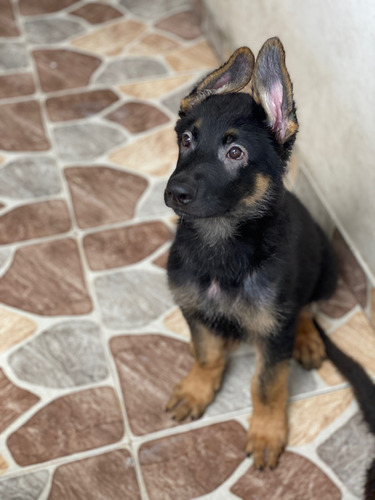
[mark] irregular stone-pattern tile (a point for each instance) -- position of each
(96, 13)
(153, 203)
(68, 354)
(124, 246)
(340, 303)
(109, 476)
(81, 421)
(13, 55)
(149, 366)
(186, 465)
(34, 7)
(4, 257)
(138, 117)
(119, 71)
(199, 56)
(154, 154)
(162, 261)
(349, 452)
(173, 101)
(30, 177)
(81, 105)
(152, 89)
(86, 141)
(356, 338)
(51, 30)
(103, 195)
(4, 466)
(184, 24)
(325, 407)
(46, 279)
(152, 10)
(34, 221)
(64, 69)
(110, 40)
(132, 299)
(16, 85)
(13, 401)
(14, 328)
(154, 44)
(282, 484)
(21, 127)
(8, 26)
(27, 486)
(176, 323)
(350, 269)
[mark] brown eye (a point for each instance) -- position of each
(235, 153)
(186, 140)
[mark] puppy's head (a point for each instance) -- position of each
(233, 145)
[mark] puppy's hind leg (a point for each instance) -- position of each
(309, 348)
(197, 390)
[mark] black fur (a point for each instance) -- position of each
(247, 256)
(364, 390)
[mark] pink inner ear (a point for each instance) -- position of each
(223, 80)
(274, 105)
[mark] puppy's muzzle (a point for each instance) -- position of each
(179, 195)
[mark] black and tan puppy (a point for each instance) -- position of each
(247, 256)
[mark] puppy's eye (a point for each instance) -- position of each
(186, 140)
(235, 153)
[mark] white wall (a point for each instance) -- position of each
(330, 55)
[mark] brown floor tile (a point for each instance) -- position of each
(13, 401)
(8, 26)
(124, 246)
(103, 195)
(294, 478)
(144, 364)
(46, 279)
(76, 422)
(64, 69)
(162, 260)
(81, 105)
(193, 463)
(138, 117)
(184, 24)
(152, 89)
(34, 7)
(21, 127)
(16, 85)
(199, 56)
(96, 13)
(110, 476)
(34, 221)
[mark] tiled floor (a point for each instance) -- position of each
(90, 341)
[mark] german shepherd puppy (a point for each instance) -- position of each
(247, 257)
(364, 390)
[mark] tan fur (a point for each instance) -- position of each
(197, 390)
(268, 432)
(308, 346)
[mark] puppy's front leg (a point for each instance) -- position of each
(268, 432)
(197, 390)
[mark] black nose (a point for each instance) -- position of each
(179, 194)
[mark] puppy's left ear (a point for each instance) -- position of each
(272, 89)
(231, 77)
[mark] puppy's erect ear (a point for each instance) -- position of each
(272, 89)
(232, 76)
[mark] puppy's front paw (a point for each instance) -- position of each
(194, 393)
(266, 441)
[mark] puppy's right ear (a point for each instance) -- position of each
(231, 77)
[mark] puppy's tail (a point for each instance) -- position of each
(363, 387)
